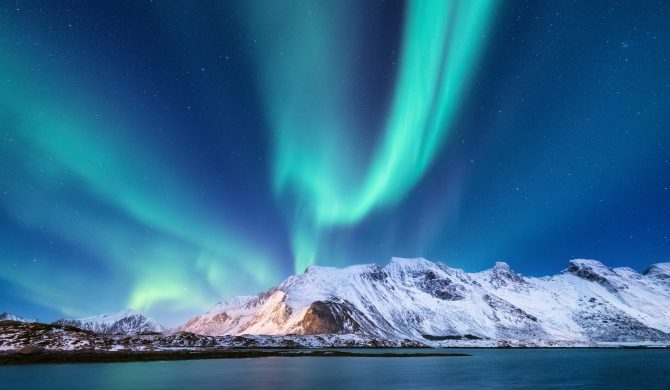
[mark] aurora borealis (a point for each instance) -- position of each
(166, 155)
(438, 46)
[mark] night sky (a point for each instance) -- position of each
(166, 155)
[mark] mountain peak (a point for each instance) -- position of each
(127, 313)
(582, 267)
(588, 263)
(594, 271)
(409, 268)
(501, 265)
(502, 276)
(411, 263)
(313, 268)
(659, 271)
(7, 316)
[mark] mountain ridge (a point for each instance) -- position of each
(7, 316)
(126, 321)
(420, 300)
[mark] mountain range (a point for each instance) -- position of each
(123, 322)
(421, 302)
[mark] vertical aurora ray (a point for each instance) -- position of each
(318, 167)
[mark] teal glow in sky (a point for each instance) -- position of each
(308, 89)
(165, 156)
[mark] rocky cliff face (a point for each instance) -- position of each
(420, 300)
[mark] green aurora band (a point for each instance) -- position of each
(169, 252)
(308, 88)
(191, 257)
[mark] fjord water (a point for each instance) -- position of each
(484, 369)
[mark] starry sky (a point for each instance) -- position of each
(164, 155)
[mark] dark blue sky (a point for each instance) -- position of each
(165, 155)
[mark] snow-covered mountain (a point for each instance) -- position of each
(659, 272)
(420, 300)
(6, 316)
(123, 322)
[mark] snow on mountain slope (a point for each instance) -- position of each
(589, 301)
(122, 322)
(659, 272)
(420, 300)
(6, 316)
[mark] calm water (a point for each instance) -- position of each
(485, 369)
